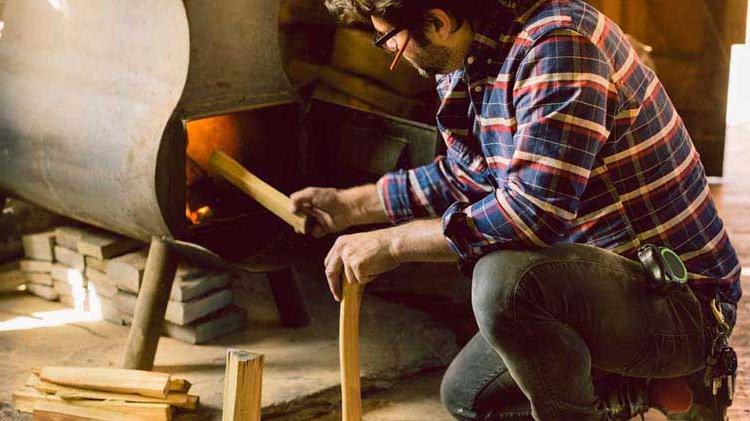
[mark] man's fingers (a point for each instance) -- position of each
(302, 200)
(333, 276)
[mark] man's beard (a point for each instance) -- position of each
(431, 60)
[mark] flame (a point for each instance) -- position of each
(199, 215)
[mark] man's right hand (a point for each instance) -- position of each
(335, 210)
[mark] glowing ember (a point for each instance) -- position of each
(199, 215)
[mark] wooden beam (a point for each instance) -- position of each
(242, 386)
(148, 319)
(351, 395)
(270, 198)
(144, 383)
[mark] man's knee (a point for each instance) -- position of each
(452, 393)
(495, 285)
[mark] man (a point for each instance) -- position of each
(564, 156)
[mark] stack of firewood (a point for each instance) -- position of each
(100, 272)
(54, 393)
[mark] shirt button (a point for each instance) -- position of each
(478, 89)
(489, 61)
(470, 60)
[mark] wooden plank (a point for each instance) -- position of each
(243, 379)
(127, 271)
(181, 313)
(68, 236)
(70, 258)
(28, 265)
(179, 400)
(351, 395)
(96, 264)
(39, 246)
(99, 283)
(145, 383)
(68, 275)
(39, 278)
(25, 398)
(47, 410)
(105, 245)
(43, 291)
(259, 190)
(220, 323)
(191, 282)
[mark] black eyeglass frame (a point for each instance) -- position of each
(378, 42)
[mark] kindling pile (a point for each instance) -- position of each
(103, 394)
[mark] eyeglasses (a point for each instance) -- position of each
(387, 42)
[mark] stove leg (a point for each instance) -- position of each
(158, 277)
(288, 297)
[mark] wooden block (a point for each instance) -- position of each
(28, 265)
(215, 325)
(179, 385)
(243, 379)
(25, 398)
(181, 313)
(127, 270)
(43, 291)
(100, 283)
(70, 258)
(68, 236)
(80, 302)
(96, 264)
(39, 278)
(68, 275)
(179, 400)
(39, 246)
(105, 245)
(47, 410)
(141, 382)
(188, 285)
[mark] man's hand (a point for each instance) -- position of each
(360, 258)
(335, 210)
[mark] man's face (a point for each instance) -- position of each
(426, 56)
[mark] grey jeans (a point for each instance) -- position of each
(550, 318)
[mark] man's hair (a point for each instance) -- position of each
(401, 12)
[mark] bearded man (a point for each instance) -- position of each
(565, 157)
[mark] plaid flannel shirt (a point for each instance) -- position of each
(556, 132)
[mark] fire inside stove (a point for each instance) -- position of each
(265, 141)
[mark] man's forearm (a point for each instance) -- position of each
(365, 205)
(421, 241)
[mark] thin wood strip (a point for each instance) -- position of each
(61, 411)
(178, 400)
(270, 198)
(145, 383)
(351, 395)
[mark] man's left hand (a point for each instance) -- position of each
(360, 258)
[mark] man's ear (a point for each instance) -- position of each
(440, 23)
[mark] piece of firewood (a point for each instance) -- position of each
(145, 383)
(351, 396)
(35, 266)
(179, 385)
(40, 246)
(178, 400)
(105, 245)
(270, 198)
(60, 411)
(242, 386)
(25, 398)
